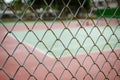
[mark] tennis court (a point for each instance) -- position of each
(59, 39)
(59, 52)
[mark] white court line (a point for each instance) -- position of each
(44, 53)
(32, 47)
(37, 49)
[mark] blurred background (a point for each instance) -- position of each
(58, 9)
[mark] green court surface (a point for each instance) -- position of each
(72, 41)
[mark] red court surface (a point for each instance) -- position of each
(19, 61)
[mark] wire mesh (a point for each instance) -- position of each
(59, 40)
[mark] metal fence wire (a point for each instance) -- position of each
(59, 39)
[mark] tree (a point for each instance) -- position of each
(57, 5)
(17, 4)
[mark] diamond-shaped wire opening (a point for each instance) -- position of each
(22, 73)
(50, 76)
(94, 48)
(111, 56)
(47, 49)
(99, 44)
(31, 63)
(116, 64)
(93, 70)
(3, 56)
(81, 35)
(34, 39)
(20, 26)
(81, 51)
(40, 25)
(58, 68)
(9, 40)
(57, 48)
(11, 68)
(21, 55)
(88, 77)
(106, 72)
(116, 31)
(19, 36)
(65, 52)
(40, 72)
(63, 75)
(94, 34)
(113, 73)
(3, 34)
(98, 60)
(100, 75)
(80, 73)
(74, 63)
(117, 45)
(76, 45)
(49, 38)
(86, 45)
(66, 39)
(87, 63)
(41, 47)
(105, 32)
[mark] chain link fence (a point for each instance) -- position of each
(59, 40)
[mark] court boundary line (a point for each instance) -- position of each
(32, 47)
(52, 57)
(37, 49)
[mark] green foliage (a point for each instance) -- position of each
(17, 4)
(109, 12)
